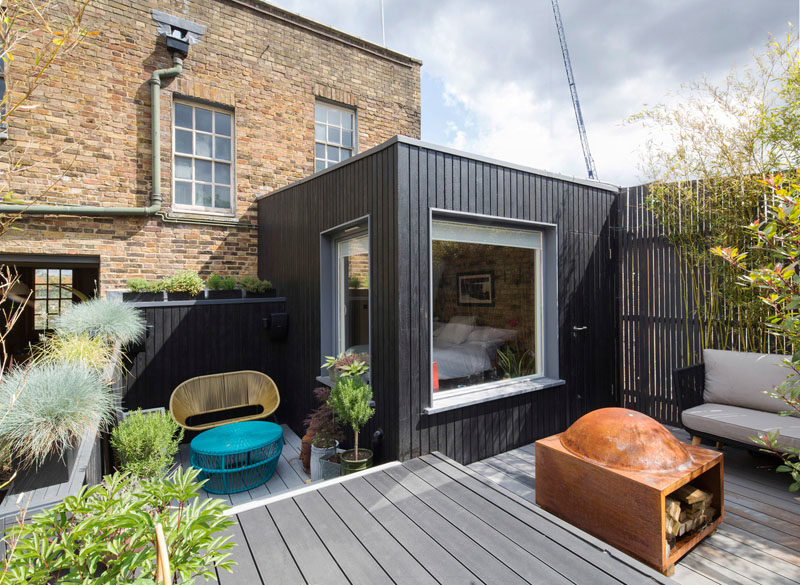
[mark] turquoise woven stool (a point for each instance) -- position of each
(237, 457)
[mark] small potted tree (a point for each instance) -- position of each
(255, 287)
(350, 400)
(183, 286)
(222, 288)
(322, 437)
(143, 291)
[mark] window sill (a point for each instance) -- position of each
(495, 392)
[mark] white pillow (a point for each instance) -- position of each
(454, 333)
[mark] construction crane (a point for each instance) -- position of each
(576, 104)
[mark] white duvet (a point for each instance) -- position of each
(462, 360)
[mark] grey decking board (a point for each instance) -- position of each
(772, 548)
(714, 571)
(469, 553)
(589, 549)
(444, 567)
(403, 566)
(762, 531)
(789, 517)
(721, 564)
(688, 576)
(245, 570)
(529, 567)
(768, 564)
(312, 557)
(270, 553)
(352, 555)
(778, 524)
(504, 480)
(556, 562)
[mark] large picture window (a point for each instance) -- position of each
(486, 305)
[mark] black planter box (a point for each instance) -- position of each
(53, 471)
(224, 294)
(270, 292)
(181, 296)
(142, 297)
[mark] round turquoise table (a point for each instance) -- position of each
(238, 456)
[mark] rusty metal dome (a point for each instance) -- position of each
(625, 439)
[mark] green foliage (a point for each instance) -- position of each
(53, 405)
(347, 364)
(708, 152)
(102, 318)
(777, 282)
(139, 285)
(184, 281)
(217, 282)
(349, 399)
(253, 284)
(105, 534)
(516, 361)
(146, 443)
(94, 352)
(321, 423)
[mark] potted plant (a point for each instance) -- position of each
(222, 288)
(322, 435)
(142, 291)
(255, 287)
(346, 364)
(183, 286)
(350, 400)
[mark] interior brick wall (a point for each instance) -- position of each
(89, 136)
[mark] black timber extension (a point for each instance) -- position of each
(394, 186)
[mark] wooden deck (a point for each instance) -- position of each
(758, 543)
(289, 475)
(428, 520)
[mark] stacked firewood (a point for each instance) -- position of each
(687, 509)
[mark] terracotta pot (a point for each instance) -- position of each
(305, 451)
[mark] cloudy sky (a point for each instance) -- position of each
(493, 79)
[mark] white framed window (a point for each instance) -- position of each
(488, 310)
(203, 167)
(352, 294)
(334, 134)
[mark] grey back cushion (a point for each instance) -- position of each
(739, 378)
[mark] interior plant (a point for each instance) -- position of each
(146, 443)
(221, 287)
(515, 360)
(350, 400)
(54, 405)
(185, 284)
(102, 318)
(142, 290)
(104, 535)
(254, 286)
(777, 281)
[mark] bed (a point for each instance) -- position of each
(462, 349)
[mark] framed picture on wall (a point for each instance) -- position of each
(476, 288)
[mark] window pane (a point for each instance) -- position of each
(203, 119)
(320, 166)
(222, 124)
(183, 115)
(334, 117)
(319, 113)
(345, 154)
(202, 145)
(183, 167)
(222, 173)
(202, 195)
(353, 295)
(333, 154)
(347, 138)
(66, 276)
(222, 148)
(334, 135)
(41, 275)
(319, 150)
(319, 132)
(202, 170)
(347, 120)
(183, 193)
(222, 197)
(183, 141)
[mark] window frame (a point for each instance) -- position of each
(353, 150)
(546, 314)
(330, 283)
(199, 209)
(61, 300)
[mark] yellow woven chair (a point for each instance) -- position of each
(220, 392)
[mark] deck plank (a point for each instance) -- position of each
(245, 570)
(272, 557)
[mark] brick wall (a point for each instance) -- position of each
(92, 125)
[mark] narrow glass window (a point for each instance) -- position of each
(203, 159)
(334, 135)
(352, 294)
(52, 293)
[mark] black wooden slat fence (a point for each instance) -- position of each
(194, 338)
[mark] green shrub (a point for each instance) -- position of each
(146, 443)
(94, 352)
(104, 535)
(217, 282)
(53, 405)
(253, 284)
(107, 319)
(349, 399)
(184, 281)
(139, 285)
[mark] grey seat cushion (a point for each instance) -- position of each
(740, 378)
(739, 424)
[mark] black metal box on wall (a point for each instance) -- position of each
(395, 189)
